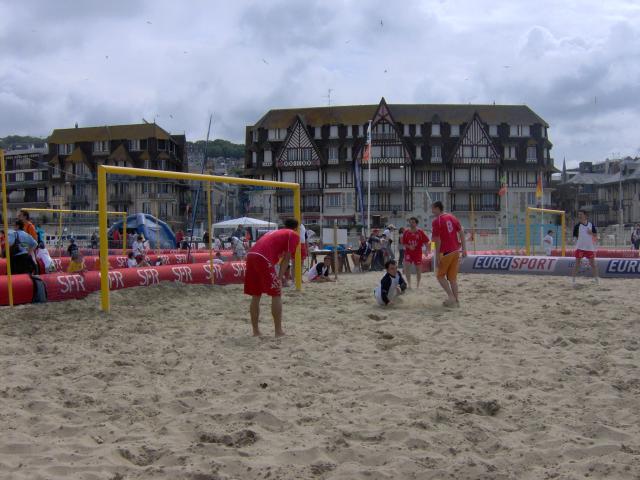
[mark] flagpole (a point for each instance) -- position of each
(369, 181)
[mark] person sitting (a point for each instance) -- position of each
(391, 285)
(43, 257)
(320, 271)
(76, 265)
(131, 260)
(377, 262)
(139, 249)
(218, 258)
(73, 247)
(21, 244)
(362, 256)
(239, 252)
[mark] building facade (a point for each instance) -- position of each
(75, 153)
(27, 173)
(609, 190)
(458, 154)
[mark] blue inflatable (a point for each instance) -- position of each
(157, 232)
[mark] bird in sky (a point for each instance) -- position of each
(506, 66)
(348, 41)
(148, 22)
(265, 62)
(385, 70)
(106, 57)
(170, 116)
(381, 24)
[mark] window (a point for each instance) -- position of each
(386, 151)
(360, 131)
(162, 165)
(143, 144)
(317, 134)
(435, 177)
(146, 188)
(418, 130)
(273, 134)
(334, 199)
(418, 152)
(299, 154)
(349, 131)
(65, 148)
(543, 131)
(267, 160)
(532, 154)
(333, 155)
(482, 151)
(333, 131)
(510, 152)
(349, 154)
(162, 144)
(419, 176)
(406, 130)
(254, 158)
(435, 129)
(146, 208)
(254, 134)
(493, 130)
(467, 152)
(531, 198)
(519, 130)
(134, 145)
(436, 154)
(455, 130)
(19, 177)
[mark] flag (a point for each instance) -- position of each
(503, 186)
(366, 153)
(539, 186)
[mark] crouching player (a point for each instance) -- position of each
(391, 285)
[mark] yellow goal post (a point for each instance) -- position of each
(104, 170)
(542, 211)
(60, 211)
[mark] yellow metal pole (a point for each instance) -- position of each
(5, 220)
(298, 216)
(60, 234)
(527, 233)
(208, 230)
(104, 247)
(124, 233)
(563, 227)
(473, 224)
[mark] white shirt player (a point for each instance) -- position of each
(585, 241)
(548, 244)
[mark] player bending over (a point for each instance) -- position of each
(261, 277)
(391, 285)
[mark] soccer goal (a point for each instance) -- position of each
(530, 232)
(104, 170)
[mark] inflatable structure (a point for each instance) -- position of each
(157, 232)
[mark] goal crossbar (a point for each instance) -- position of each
(104, 170)
(563, 227)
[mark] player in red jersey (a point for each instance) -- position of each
(449, 237)
(413, 240)
(261, 276)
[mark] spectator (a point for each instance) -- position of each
(42, 255)
(41, 234)
(73, 247)
(217, 243)
(94, 240)
(238, 232)
(28, 226)
(547, 242)
(239, 251)
(248, 236)
(218, 258)
(131, 260)
(179, 238)
(377, 261)
(76, 265)
(139, 249)
(21, 244)
(3, 254)
(635, 237)
(116, 236)
(362, 256)
(205, 239)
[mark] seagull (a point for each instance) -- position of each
(381, 24)
(348, 41)
(265, 62)
(385, 70)
(506, 66)
(185, 52)
(148, 22)
(170, 116)
(106, 57)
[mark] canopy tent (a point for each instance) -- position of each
(246, 222)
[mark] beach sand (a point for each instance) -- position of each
(529, 379)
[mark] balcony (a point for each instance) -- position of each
(466, 207)
(78, 200)
(384, 137)
(384, 208)
(28, 203)
(310, 186)
(475, 161)
(476, 185)
(311, 208)
(600, 208)
(255, 210)
(120, 198)
(395, 185)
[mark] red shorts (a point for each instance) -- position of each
(260, 277)
(585, 254)
(303, 251)
(416, 259)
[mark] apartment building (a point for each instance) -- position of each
(458, 154)
(27, 173)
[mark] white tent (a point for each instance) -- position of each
(246, 222)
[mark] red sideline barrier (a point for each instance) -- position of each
(22, 289)
(55, 252)
(63, 286)
(120, 261)
(600, 253)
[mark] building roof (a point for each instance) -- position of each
(402, 113)
(135, 131)
(631, 171)
(26, 151)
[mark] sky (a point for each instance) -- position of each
(96, 62)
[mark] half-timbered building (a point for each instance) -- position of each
(458, 154)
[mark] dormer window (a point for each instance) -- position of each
(519, 131)
(435, 129)
(101, 146)
(455, 130)
(333, 131)
(418, 130)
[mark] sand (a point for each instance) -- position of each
(529, 379)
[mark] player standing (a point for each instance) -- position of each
(261, 276)
(413, 239)
(449, 237)
(586, 236)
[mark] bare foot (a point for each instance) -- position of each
(279, 334)
(449, 303)
(257, 333)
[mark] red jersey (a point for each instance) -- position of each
(446, 228)
(275, 244)
(413, 242)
